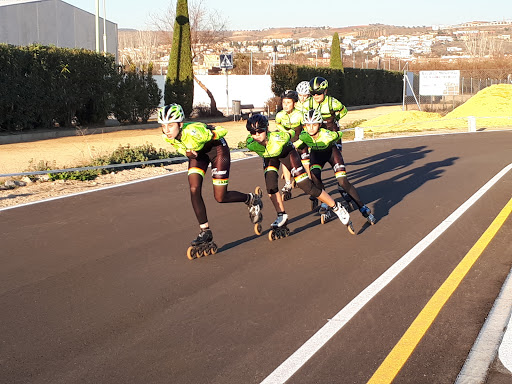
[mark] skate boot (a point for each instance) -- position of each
(346, 199)
(254, 204)
(279, 228)
(202, 245)
(287, 191)
(314, 203)
(323, 208)
(344, 217)
(367, 214)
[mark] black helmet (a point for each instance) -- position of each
(257, 121)
(318, 85)
(289, 94)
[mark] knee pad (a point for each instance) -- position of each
(271, 181)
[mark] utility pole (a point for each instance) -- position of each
(104, 28)
(97, 26)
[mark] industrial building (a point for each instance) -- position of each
(54, 22)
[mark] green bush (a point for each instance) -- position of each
(137, 97)
(45, 85)
(351, 86)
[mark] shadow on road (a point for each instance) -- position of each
(392, 190)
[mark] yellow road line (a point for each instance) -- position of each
(394, 362)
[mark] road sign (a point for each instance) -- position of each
(226, 60)
(439, 83)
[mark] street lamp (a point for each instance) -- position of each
(97, 26)
(104, 28)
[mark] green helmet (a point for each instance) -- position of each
(172, 113)
(318, 85)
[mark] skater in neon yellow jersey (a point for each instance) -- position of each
(323, 149)
(205, 145)
(289, 120)
(303, 93)
(276, 148)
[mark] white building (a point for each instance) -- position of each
(53, 22)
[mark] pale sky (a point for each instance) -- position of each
(262, 14)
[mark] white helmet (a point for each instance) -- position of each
(312, 116)
(172, 113)
(303, 88)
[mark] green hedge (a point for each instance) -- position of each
(351, 86)
(45, 85)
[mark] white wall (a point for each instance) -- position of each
(255, 89)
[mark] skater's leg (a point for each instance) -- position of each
(221, 163)
(286, 175)
(338, 165)
(195, 181)
(222, 195)
(277, 201)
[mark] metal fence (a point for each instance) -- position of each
(470, 83)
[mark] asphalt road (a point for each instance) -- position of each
(97, 288)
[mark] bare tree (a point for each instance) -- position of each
(207, 31)
(482, 44)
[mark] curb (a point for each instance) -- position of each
(492, 337)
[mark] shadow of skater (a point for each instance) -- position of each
(377, 165)
(390, 192)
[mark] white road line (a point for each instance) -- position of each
(291, 365)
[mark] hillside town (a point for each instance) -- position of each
(373, 46)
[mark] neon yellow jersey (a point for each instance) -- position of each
(194, 136)
(324, 140)
(328, 105)
(300, 106)
(276, 141)
(290, 123)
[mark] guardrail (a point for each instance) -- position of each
(179, 159)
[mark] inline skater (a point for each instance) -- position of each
(303, 93)
(204, 145)
(289, 120)
(321, 143)
(276, 148)
(332, 110)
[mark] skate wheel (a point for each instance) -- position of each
(271, 236)
(287, 233)
(214, 249)
(322, 219)
(258, 191)
(191, 253)
(206, 252)
(257, 229)
(350, 228)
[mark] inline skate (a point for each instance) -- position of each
(314, 203)
(254, 204)
(343, 215)
(367, 214)
(347, 201)
(286, 191)
(279, 228)
(202, 245)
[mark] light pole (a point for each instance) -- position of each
(104, 28)
(97, 26)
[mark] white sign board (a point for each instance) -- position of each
(439, 83)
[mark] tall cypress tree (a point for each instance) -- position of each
(179, 82)
(336, 62)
